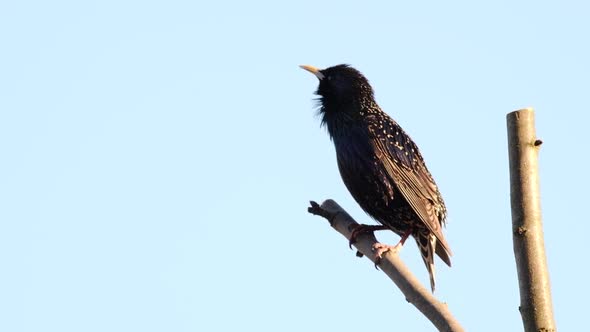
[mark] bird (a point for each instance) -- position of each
(381, 166)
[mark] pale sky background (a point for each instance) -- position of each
(158, 159)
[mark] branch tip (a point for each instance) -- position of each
(317, 210)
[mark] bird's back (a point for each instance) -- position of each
(381, 166)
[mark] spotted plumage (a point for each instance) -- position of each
(380, 164)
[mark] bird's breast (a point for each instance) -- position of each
(362, 172)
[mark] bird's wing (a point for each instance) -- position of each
(402, 161)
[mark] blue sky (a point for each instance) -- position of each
(158, 159)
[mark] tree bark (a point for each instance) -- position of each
(437, 312)
(536, 307)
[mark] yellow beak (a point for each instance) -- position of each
(313, 70)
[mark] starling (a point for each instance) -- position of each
(380, 165)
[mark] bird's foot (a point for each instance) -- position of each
(363, 229)
(379, 249)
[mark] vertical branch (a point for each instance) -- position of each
(536, 307)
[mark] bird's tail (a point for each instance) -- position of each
(427, 245)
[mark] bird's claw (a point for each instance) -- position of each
(360, 229)
(379, 249)
(355, 233)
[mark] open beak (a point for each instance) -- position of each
(313, 70)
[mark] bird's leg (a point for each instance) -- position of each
(380, 248)
(362, 229)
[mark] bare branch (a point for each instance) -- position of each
(437, 312)
(536, 307)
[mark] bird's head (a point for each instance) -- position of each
(341, 85)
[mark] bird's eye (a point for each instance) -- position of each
(329, 77)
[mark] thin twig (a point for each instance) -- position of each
(437, 312)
